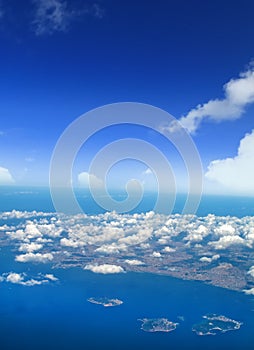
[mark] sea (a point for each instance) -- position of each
(58, 316)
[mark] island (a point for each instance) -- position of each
(157, 325)
(106, 302)
(215, 324)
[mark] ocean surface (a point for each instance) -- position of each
(58, 316)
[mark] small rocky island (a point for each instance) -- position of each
(157, 325)
(215, 324)
(106, 302)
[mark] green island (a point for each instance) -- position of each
(157, 325)
(105, 301)
(215, 324)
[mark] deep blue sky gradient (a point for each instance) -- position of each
(171, 54)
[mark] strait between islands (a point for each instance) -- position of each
(211, 324)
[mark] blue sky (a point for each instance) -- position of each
(62, 58)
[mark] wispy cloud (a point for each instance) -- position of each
(97, 11)
(57, 15)
(1, 10)
(239, 93)
(50, 16)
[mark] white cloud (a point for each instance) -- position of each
(209, 259)
(65, 242)
(249, 291)
(168, 249)
(235, 174)
(50, 16)
(14, 278)
(89, 180)
(238, 94)
(56, 15)
(51, 277)
(148, 171)
(141, 236)
(111, 248)
(251, 271)
(198, 234)
(225, 229)
(104, 268)
(133, 262)
(30, 247)
(111, 233)
(5, 177)
(206, 259)
(20, 278)
(226, 241)
(156, 254)
(32, 257)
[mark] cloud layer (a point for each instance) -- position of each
(111, 243)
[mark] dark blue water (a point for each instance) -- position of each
(57, 316)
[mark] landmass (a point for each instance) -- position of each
(215, 250)
(215, 324)
(157, 325)
(106, 302)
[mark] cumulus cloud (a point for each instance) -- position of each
(238, 92)
(21, 278)
(104, 268)
(89, 180)
(156, 254)
(197, 235)
(30, 247)
(235, 174)
(141, 236)
(123, 236)
(226, 241)
(225, 229)
(251, 271)
(35, 257)
(14, 278)
(209, 259)
(147, 172)
(249, 291)
(5, 177)
(133, 262)
(112, 248)
(168, 249)
(65, 242)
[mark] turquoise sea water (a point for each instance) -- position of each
(39, 199)
(58, 316)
